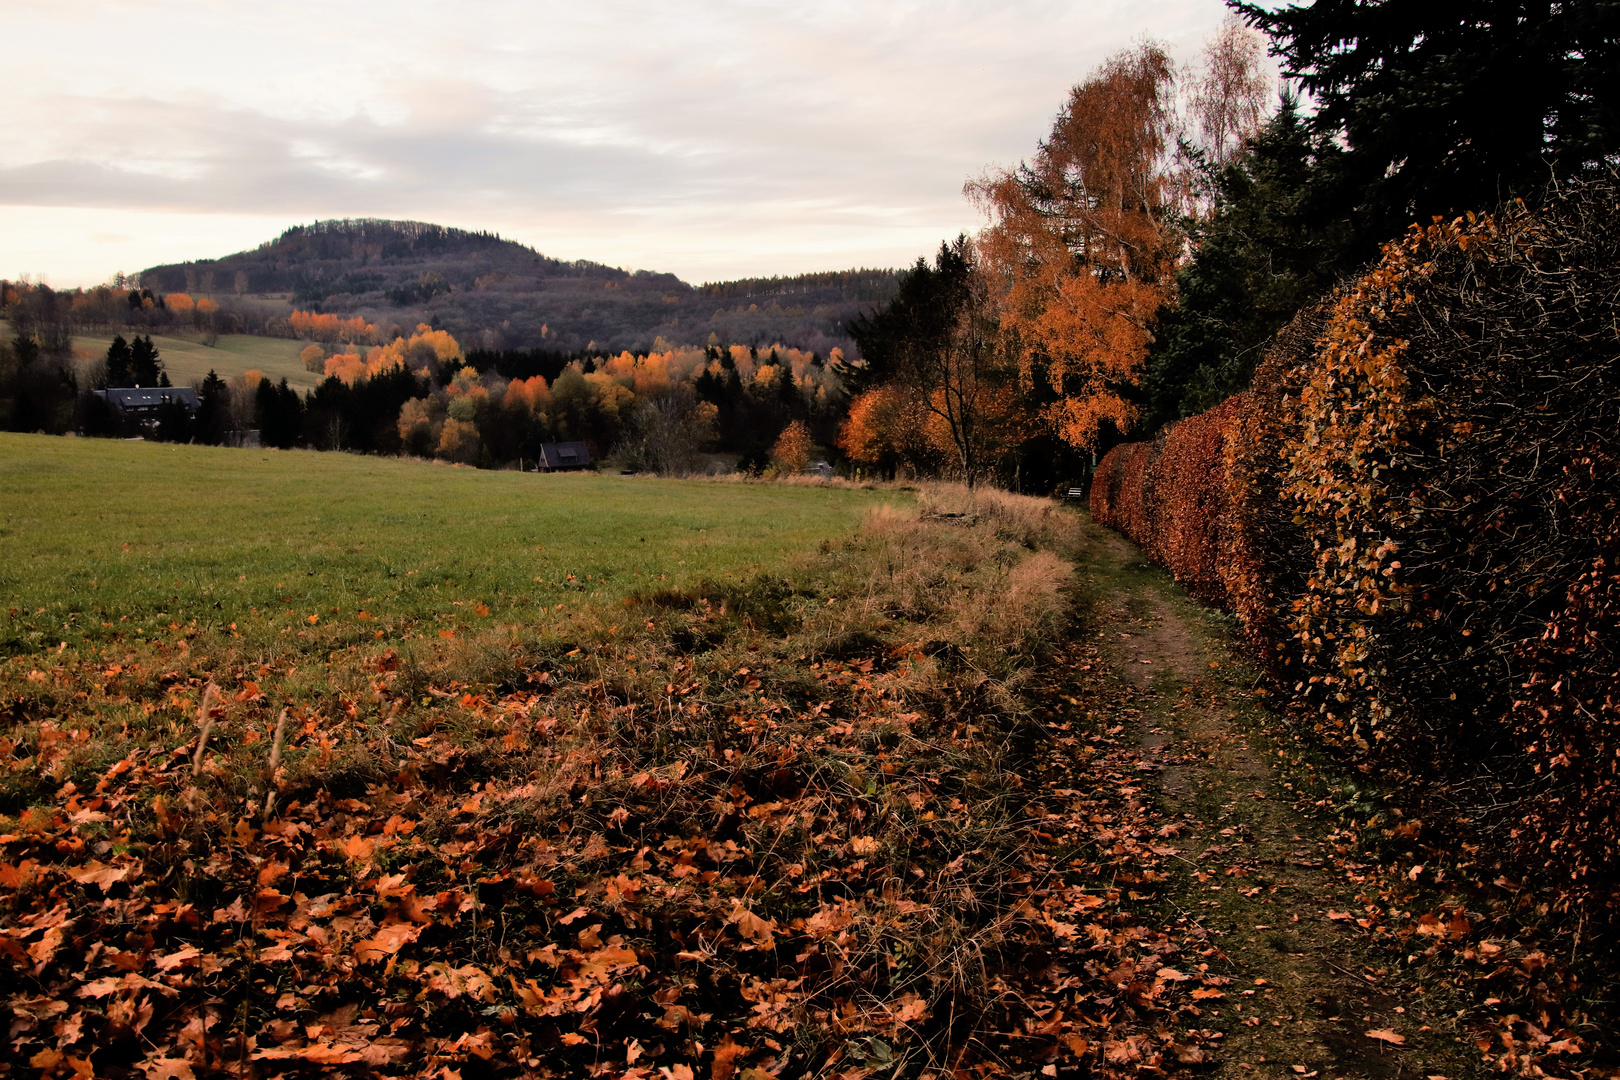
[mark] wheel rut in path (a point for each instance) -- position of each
(1272, 891)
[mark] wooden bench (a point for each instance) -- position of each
(1075, 494)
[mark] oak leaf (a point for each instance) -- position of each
(166, 1068)
(176, 959)
(725, 1059)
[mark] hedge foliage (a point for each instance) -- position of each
(1413, 511)
(1169, 497)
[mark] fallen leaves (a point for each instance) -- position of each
(387, 942)
(101, 875)
(625, 857)
(760, 933)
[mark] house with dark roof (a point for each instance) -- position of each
(563, 457)
(144, 403)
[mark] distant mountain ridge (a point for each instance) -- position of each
(493, 293)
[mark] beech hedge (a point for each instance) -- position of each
(1413, 512)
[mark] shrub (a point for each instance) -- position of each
(1455, 386)
(1266, 558)
(1118, 494)
(1169, 497)
(1191, 519)
(1568, 712)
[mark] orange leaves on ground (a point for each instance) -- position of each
(603, 895)
(386, 943)
(102, 876)
(759, 933)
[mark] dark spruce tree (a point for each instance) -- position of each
(145, 366)
(279, 414)
(919, 319)
(175, 423)
(371, 409)
(1447, 106)
(1271, 242)
(211, 425)
(120, 363)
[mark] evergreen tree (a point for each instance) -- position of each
(212, 422)
(1270, 243)
(175, 423)
(787, 390)
(119, 363)
(145, 366)
(279, 414)
(1446, 106)
(918, 320)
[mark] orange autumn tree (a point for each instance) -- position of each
(793, 448)
(1080, 245)
(889, 428)
(331, 328)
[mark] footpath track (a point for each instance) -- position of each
(1185, 803)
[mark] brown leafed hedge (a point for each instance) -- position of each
(1118, 493)
(1414, 514)
(1169, 497)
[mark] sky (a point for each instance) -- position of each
(713, 139)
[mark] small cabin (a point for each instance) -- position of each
(563, 457)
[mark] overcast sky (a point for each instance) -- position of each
(710, 138)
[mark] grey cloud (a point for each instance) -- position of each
(767, 129)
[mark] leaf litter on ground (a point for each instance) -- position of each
(892, 815)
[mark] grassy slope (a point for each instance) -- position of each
(99, 531)
(187, 359)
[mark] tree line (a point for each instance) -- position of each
(665, 411)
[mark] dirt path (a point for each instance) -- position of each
(1267, 885)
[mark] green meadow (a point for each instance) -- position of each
(104, 540)
(187, 359)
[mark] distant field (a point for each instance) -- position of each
(142, 535)
(188, 360)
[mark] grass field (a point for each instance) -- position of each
(732, 723)
(117, 540)
(188, 360)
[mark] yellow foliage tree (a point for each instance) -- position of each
(1079, 240)
(792, 450)
(458, 441)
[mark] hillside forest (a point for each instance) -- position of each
(1131, 273)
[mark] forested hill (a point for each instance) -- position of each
(496, 293)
